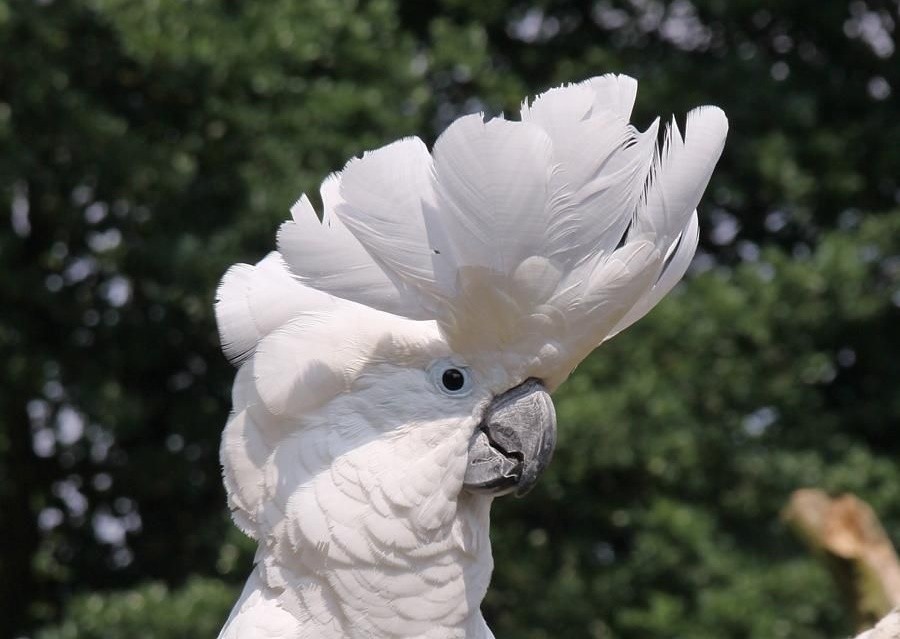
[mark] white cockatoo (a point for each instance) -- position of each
(396, 358)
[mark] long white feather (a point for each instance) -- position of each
(326, 255)
(677, 261)
(252, 301)
(237, 330)
(601, 164)
(614, 92)
(681, 173)
(492, 190)
(388, 204)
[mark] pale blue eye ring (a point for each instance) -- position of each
(450, 378)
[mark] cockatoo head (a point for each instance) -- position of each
(398, 355)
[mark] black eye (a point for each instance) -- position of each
(453, 379)
(450, 378)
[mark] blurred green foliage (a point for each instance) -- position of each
(147, 146)
(150, 611)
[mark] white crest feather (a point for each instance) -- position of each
(513, 250)
(252, 301)
(540, 238)
(325, 254)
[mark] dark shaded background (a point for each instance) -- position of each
(146, 146)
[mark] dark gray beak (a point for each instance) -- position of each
(513, 443)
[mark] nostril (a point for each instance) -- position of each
(507, 432)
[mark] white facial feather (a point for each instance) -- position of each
(365, 489)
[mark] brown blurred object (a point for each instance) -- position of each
(846, 533)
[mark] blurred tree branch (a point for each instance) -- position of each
(846, 534)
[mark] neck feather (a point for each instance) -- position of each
(434, 590)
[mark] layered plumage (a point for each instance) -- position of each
(507, 253)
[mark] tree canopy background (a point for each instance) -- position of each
(146, 146)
